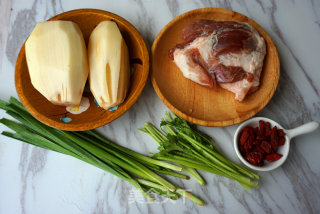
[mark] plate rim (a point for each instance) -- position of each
(105, 120)
(211, 123)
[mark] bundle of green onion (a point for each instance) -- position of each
(191, 149)
(88, 146)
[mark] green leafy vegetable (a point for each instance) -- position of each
(182, 143)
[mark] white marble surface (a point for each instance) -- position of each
(34, 180)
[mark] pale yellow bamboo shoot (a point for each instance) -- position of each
(57, 61)
(109, 65)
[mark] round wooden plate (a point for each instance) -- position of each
(52, 115)
(198, 104)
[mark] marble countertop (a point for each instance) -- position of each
(33, 180)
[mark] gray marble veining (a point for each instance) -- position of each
(5, 12)
(33, 180)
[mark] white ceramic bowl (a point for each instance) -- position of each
(284, 150)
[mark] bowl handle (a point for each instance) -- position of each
(304, 129)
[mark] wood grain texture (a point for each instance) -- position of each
(198, 104)
(46, 112)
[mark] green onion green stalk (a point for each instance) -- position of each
(139, 170)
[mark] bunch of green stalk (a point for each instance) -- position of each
(88, 146)
(183, 144)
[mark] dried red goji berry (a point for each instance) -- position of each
(244, 137)
(273, 157)
(259, 159)
(266, 146)
(256, 143)
(261, 128)
(251, 131)
(267, 129)
(260, 138)
(250, 158)
(274, 138)
(246, 129)
(267, 126)
(267, 138)
(259, 152)
(281, 132)
(250, 139)
(268, 133)
(242, 151)
(281, 141)
(253, 159)
(256, 131)
(248, 144)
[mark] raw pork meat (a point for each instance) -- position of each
(226, 53)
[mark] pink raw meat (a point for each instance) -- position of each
(227, 53)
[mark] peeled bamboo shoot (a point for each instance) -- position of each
(57, 61)
(109, 65)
